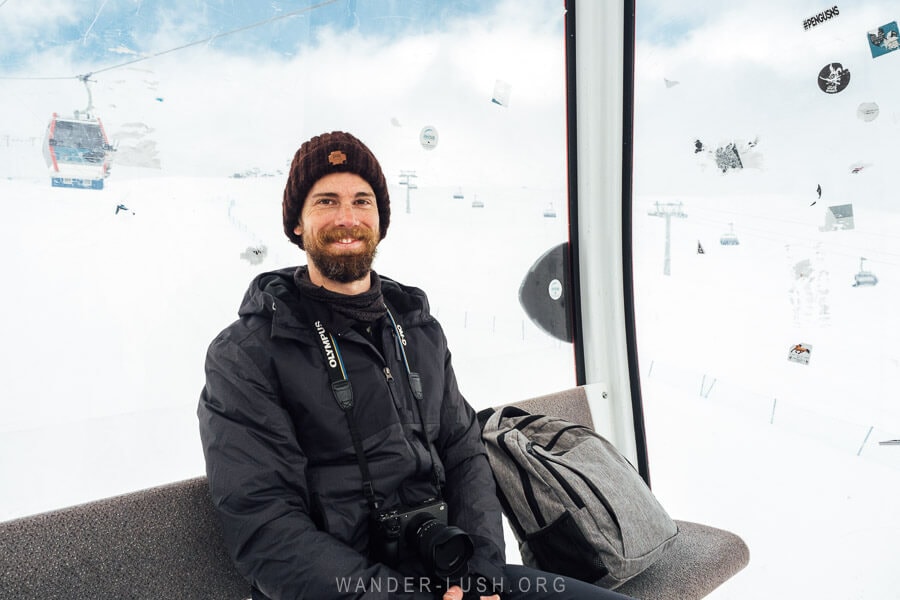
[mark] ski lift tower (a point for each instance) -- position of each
(410, 185)
(668, 210)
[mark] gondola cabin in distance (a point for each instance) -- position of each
(77, 152)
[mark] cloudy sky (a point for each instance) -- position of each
(249, 98)
(226, 86)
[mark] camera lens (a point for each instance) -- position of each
(446, 550)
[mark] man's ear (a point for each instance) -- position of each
(298, 230)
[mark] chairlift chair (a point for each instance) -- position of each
(729, 238)
(864, 277)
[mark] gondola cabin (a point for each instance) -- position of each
(77, 152)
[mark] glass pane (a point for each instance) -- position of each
(135, 218)
(767, 264)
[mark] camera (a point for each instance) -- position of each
(421, 531)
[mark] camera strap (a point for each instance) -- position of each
(343, 394)
(342, 390)
(415, 385)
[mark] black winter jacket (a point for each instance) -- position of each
(280, 459)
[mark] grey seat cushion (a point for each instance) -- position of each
(701, 559)
(163, 542)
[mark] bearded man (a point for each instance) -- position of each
(342, 458)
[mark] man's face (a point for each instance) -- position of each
(339, 225)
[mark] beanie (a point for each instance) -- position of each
(335, 152)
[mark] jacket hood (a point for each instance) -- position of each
(273, 295)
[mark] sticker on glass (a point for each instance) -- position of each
(821, 17)
(555, 289)
(833, 78)
(884, 39)
(867, 111)
(800, 353)
(428, 137)
(838, 218)
(733, 155)
(502, 91)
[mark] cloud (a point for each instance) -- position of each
(223, 112)
(29, 24)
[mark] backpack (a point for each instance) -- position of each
(576, 506)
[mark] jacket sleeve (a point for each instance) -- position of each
(469, 489)
(257, 478)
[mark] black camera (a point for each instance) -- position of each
(400, 533)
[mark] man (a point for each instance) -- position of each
(332, 402)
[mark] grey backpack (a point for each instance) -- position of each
(576, 505)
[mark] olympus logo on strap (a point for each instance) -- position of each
(400, 333)
(326, 344)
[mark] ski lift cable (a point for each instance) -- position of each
(835, 248)
(757, 227)
(85, 76)
(766, 218)
(748, 215)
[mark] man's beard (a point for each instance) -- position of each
(340, 266)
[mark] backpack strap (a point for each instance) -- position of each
(483, 415)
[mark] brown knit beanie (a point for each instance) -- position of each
(327, 153)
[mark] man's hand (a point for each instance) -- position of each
(455, 593)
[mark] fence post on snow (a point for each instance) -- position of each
(866, 439)
(705, 393)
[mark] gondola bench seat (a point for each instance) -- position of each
(166, 543)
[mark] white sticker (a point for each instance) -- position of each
(867, 111)
(502, 90)
(428, 137)
(555, 289)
